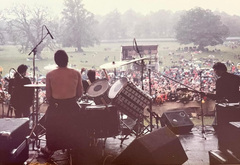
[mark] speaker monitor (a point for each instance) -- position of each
(13, 132)
(159, 147)
(177, 121)
(217, 157)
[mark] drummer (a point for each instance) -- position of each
(64, 123)
(91, 74)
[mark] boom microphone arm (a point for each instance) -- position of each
(181, 84)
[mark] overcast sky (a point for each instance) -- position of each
(143, 6)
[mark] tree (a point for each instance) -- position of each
(233, 23)
(143, 28)
(111, 26)
(25, 27)
(129, 21)
(2, 28)
(78, 25)
(163, 22)
(202, 28)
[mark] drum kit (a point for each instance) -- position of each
(123, 99)
(107, 106)
(111, 105)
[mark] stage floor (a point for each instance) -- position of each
(196, 145)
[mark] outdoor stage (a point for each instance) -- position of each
(195, 143)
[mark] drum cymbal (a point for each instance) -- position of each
(135, 60)
(116, 64)
(112, 65)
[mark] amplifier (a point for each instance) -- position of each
(13, 143)
(228, 132)
(226, 114)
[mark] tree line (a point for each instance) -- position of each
(79, 28)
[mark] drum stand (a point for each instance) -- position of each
(35, 116)
(127, 128)
(135, 127)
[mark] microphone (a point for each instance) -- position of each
(136, 45)
(48, 32)
(17, 73)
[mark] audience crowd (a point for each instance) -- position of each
(181, 82)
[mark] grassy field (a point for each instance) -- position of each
(103, 53)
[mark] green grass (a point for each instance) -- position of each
(94, 56)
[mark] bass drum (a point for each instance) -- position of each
(129, 99)
(101, 121)
(98, 91)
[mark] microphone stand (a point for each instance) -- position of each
(35, 108)
(193, 90)
(34, 50)
(201, 106)
(181, 84)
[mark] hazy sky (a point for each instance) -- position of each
(144, 6)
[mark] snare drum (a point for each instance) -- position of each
(128, 98)
(98, 91)
(102, 121)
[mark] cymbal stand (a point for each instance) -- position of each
(150, 106)
(142, 61)
(157, 118)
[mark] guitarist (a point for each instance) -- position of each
(227, 85)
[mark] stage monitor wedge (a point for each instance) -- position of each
(158, 147)
(13, 133)
(177, 121)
